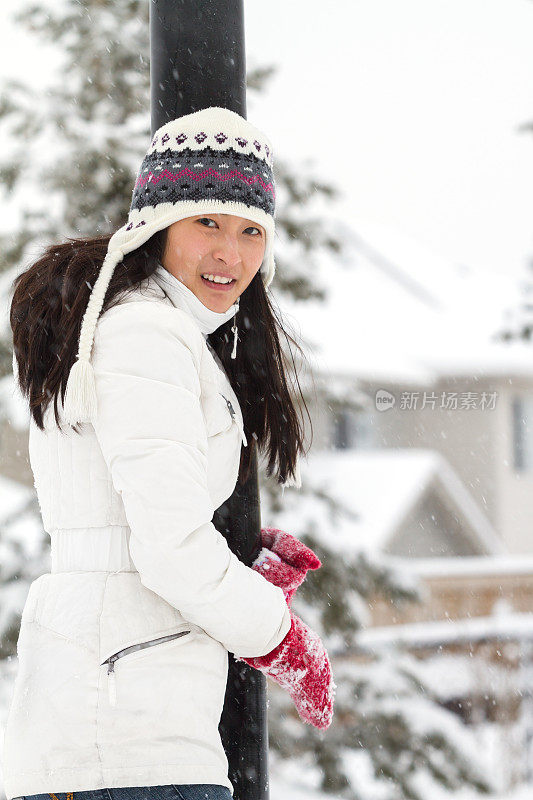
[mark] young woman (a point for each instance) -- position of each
(144, 395)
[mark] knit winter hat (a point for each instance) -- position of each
(214, 161)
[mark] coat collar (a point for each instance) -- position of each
(181, 296)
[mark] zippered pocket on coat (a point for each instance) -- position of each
(111, 679)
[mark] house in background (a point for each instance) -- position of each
(476, 411)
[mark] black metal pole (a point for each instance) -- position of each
(243, 725)
(197, 60)
(197, 57)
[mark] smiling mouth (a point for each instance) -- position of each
(217, 284)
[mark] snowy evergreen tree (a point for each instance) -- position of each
(76, 149)
(518, 320)
(387, 723)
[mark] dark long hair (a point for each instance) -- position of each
(50, 299)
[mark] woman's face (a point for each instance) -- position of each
(216, 245)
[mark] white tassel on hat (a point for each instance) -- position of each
(80, 396)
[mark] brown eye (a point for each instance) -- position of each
(208, 219)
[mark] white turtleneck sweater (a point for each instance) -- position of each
(207, 319)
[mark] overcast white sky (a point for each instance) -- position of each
(411, 107)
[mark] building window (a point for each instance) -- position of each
(342, 430)
(353, 429)
(522, 422)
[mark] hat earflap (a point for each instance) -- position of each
(80, 394)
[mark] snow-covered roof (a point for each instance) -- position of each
(500, 626)
(491, 360)
(378, 489)
(396, 310)
(489, 566)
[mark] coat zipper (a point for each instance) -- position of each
(111, 682)
(229, 403)
(234, 418)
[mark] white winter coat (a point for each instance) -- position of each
(135, 557)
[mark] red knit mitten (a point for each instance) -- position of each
(284, 560)
(300, 664)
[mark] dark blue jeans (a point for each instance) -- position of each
(181, 791)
